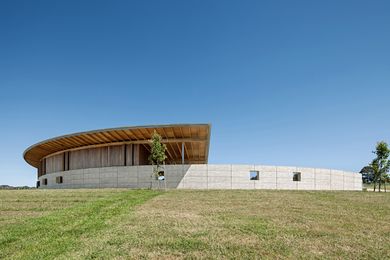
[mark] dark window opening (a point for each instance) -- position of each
(64, 162)
(125, 155)
(297, 176)
(59, 179)
(44, 181)
(254, 175)
(132, 154)
(68, 155)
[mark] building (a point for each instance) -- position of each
(118, 157)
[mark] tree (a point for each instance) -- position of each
(380, 165)
(367, 174)
(157, 154)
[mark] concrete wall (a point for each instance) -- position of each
(207, 176)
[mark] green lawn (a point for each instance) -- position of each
(114, 223)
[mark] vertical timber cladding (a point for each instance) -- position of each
(76, 160)
(41, 168)
(113, 155)
(55, 163)
(136, 154)
(92, 157)
(129, 154)
(117, 155)
(105, 162)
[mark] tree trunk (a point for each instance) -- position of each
(374, 186)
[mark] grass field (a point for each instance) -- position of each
(112, 223)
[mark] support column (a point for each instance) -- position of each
(182, 159)
(182, 153)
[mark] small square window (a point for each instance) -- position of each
(254, 175)
(161, 176)
(297, 176)
(59, 179)
(44, 181)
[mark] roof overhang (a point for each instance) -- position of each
(195, 138)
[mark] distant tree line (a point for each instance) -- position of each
(8, 187)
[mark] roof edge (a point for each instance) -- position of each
(114, 129)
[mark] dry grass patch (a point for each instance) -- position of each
(250, 224)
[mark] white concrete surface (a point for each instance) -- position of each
(207, 176)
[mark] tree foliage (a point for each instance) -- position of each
(379, 167)
(157, 155)
(367, 174)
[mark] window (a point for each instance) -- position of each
(44, 181)
(297, 176)
(161, 176)
(59, 179)
(254, 175)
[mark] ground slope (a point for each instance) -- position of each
(197, 224)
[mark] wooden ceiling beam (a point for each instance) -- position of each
(191, 146)
(122, 135)
(102, 138)
(142, 135)
(186, 152)
(71, 142)
(109, 137)
(169, 144)
(113, 136)
(90, 138)
(131, 134)
(136, 135)
(85, 140)
(164, 135)
(177, 144)
(80, 141)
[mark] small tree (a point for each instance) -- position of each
(367, 174)
(157, 155)
(379, 167)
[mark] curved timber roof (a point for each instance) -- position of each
(195, 137)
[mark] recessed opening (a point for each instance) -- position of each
(254, 175)
(44, 181)
(297, 176)
(59, 179)
(161, 176)
(38, 184)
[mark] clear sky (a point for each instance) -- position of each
(302, 83)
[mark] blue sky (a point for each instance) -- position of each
(303, 83)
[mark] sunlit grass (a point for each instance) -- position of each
(195, 224)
